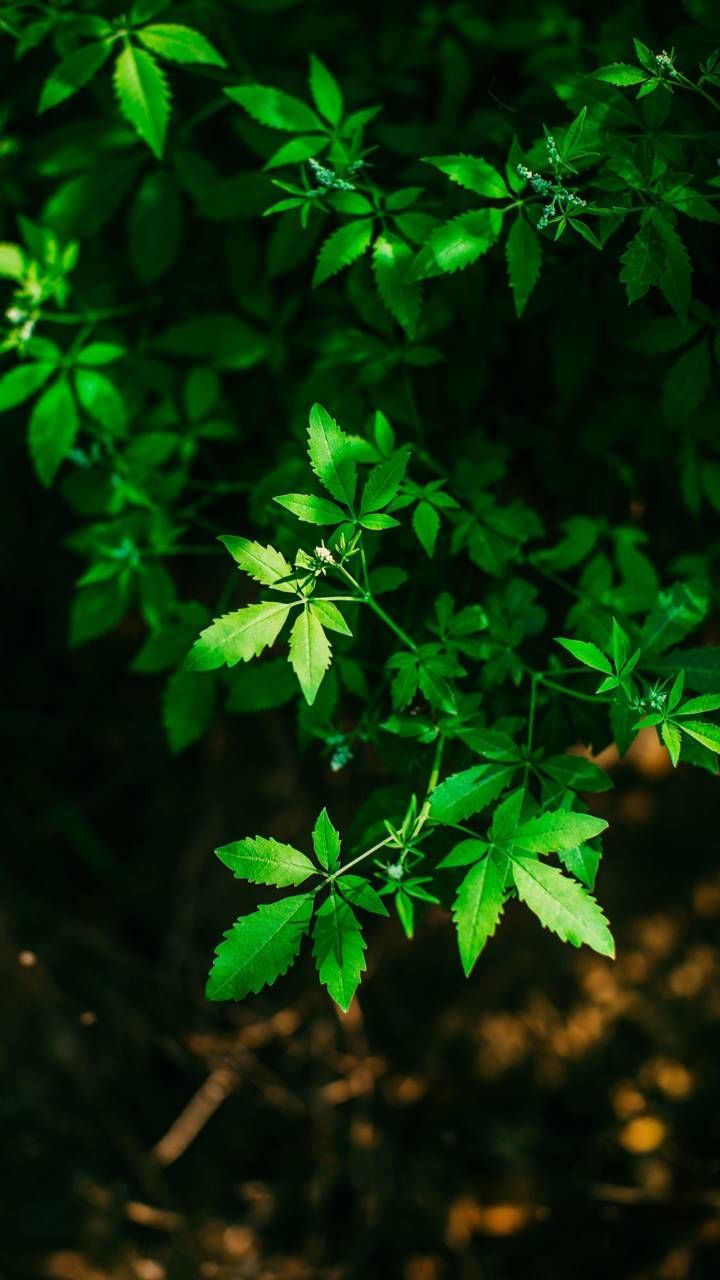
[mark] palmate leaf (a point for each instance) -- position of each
(339, 949)
(262, 860)
(237, 637)
(477, 910)
(264, 564)
(561, 904)
(310, 652)
(259, 948)
(143, 95)
(179, 44)
(342, 248)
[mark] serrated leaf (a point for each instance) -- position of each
(458, 243)
(325, 91)
(562, 905)
(464, 854)
(311, 509)
(187, 707)
(670, 735)
(675, 276)
(263, 564)
(383, 483)
(582, 862)
(342, 248)
(708, 735)
(328, 615)
(143, 95)
(179, 44)
(676, 612)
(643, 262)
(275, 109)
(698, 706)
(237, 637)
(620, 73)
(75, 71)
(561, 829)
(326, 842)
(392, 260)
(53, 426)
(339, 949)
(331, 456)
(577, 772)
(259, 948)
(360, 893)
(523, 254)
(310, 653)
(473, 173)
(477, 910)
(587, 653)
(262, 860)
(467, 792)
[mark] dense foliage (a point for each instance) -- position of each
(484, 277)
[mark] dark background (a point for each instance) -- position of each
(555, 1116)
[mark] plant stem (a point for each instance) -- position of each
(360, 858)
(366, 597)
(432, 783)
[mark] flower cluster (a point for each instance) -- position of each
(327, 179)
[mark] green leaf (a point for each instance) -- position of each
(687, 383)
(426, 523)
(187, 708)
(392, 261)
(266, 565)
(698, 706)
(338, 947)
(577, 772)
(620, 73)
(310, 509)
(643, 262)
(587, 653)
(384, 482)
(675, 613)
(562, 829)
(72, 73)
(562, 905)
(675, 274)
(376, 521)
(294, 152)
(101, 399)
(343, 247)
(53, 426)
(360, 893)
(477, 910)
(310, 653)
(179, 44)
(582, 862)
(237, 637)
(701, 667)
(261, 687)
(100, 353)
(708, 735)
(331, 456)
(328, 615)
(275, 109)
(464, 854)
(523, 260)
(262, 860)
(473, 173)
(458, 243)
(97, 609)
(326, 842)
(143, 96)
(259, 948)
(12, 261)
(670, 735)
(467, 792)
(23, 381)
(325, 91)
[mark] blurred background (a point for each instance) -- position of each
(554, 1116)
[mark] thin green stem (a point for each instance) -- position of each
(366, 597)
(360, 858)
(432, 783)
